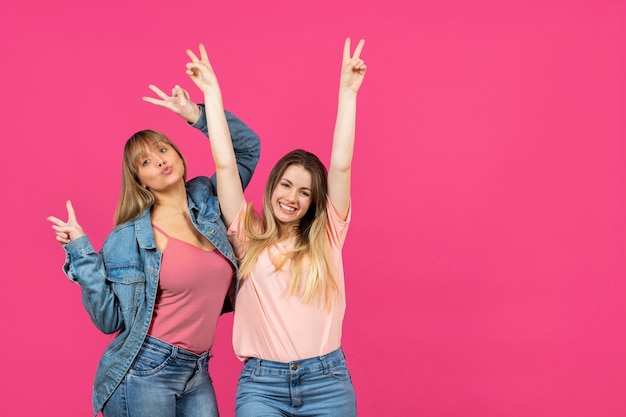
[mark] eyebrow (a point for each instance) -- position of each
(291, 183)
(146, 149)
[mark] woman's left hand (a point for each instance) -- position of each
(178, 102)
(353, 67)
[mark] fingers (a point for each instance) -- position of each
(61, 229)
(192, 56)
(69, 230)
(198, 69)
(357, 50)
(358, 64)
(180, 92)
(157, 91)
(203, 55)
(71, 214)
(63, 239)
(62, 234)
(192, 69)
(180, 95)
(346, 49)
(56, 221)
(156, 102)
(163, 98)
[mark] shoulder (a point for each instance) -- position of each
(333, 216)
(121, 232)
(127, 237)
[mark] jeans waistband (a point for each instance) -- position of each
(301, 365)
(180, 353)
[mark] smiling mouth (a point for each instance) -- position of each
(286, 208)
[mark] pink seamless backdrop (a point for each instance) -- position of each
(485, 262)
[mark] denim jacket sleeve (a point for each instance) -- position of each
(245, 143)
(85, 266)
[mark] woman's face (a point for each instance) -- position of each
(159, 167)
(292, 196)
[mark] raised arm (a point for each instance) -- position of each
(245, 142)
(352, 73)
(229, 185)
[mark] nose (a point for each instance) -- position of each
(291, 195)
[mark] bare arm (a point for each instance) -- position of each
(352, 73)
(229, 188)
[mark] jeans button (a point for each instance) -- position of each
(294, 367)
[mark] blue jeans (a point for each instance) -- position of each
(318, 386)
(164, 381)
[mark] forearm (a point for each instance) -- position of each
(229, 184)
(245, 143)
(86, 267)
(221, 145)
(341, 155)
(345, 125)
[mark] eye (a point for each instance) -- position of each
(284, 184)
(162, 150)
(305, 193)
(145, 162)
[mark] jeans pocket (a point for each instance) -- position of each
(340, 371)
(246, 375)
(149, 361)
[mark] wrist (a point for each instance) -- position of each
(195, 114)
(346, 93)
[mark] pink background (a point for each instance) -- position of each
(485, 263)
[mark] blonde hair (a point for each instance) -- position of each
(134, 198)
(311, 240)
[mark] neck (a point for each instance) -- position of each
(171, 202)
(287, 231)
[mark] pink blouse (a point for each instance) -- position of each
(193, 284)
(270, 323)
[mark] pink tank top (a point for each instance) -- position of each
(193, 283)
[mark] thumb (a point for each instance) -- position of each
(181, 95)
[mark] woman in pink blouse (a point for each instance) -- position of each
(291, 301)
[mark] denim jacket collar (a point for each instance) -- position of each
(143, 231)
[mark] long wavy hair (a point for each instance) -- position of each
(311, 240)
(134, 198)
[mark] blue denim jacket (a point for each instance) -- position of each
(119, 284)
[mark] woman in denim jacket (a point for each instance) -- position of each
(163, 276)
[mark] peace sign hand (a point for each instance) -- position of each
(353, 67)
(178, 102)
(201, 72)
(67, 231)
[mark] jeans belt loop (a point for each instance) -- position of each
(257, 368)
(324, 364)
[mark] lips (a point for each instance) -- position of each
(286, 208)
(166, 170)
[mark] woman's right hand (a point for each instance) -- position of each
(67, 231)
(178, 102)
